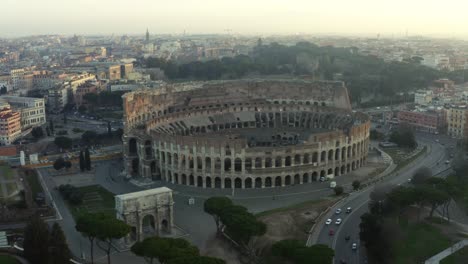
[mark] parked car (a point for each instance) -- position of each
(338, 221)
(354, 246)
(329, 221)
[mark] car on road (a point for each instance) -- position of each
(348, 210)
(447, 161)
(331, 232)
(322, 179)
(338, 221)
(347, 237)
(338, 211)
(329, 221)
(354, 246)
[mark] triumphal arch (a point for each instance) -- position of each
(149, 213)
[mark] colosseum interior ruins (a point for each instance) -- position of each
(243, 133)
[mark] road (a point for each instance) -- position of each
(359, 202)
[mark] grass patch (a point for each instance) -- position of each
(419, 242)
(6, 172)
(33, 182)
(399, 156)
(297, 206)
(459, 257)
(11, 187)
(5, 259)
(77, 130)
(96, 199)
(111, 114)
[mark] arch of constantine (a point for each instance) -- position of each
(149, 213)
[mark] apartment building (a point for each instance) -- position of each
(10, 126)
(457, 125)
(32, 110)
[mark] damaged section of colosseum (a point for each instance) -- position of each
(243, 133)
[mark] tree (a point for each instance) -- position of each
(295, 251)
(82, 109)
(214, 206)
(421, 176)
(82, 161)
(59, 251)
(36, 241)
(286, 248)
(67, 164)
(404, 137)
(89, 137)
(87, 160)
(86, 225)
(356, 184)
(51, 125)
(164, 249)
(109, 129)
(241, 225)
(197, 260)
(59, 164)
(37, 132)
(338, 190)
(110, 229)
(63, 142)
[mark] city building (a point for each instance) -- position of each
(457, 125)
(427, 121)
(423, 97)
(125, 70)
(114, 72)
(32, 110)
(10, 126)
(82, 90)
(58, 98)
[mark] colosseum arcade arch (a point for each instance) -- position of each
(149, 213)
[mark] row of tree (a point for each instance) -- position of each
(102, 229)
(44, 245)
(104, 99)
(364, 75)
(243, 227)
(388, 205)
(171, 251)
(85, 160)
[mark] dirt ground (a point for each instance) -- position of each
(293, 223)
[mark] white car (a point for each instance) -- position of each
(338, 221)
(354, 246)
(338, 211)
(329, 221)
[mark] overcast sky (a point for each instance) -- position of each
(425, 17)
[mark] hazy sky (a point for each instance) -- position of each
(427, 17)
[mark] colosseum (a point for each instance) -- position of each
(243, 133)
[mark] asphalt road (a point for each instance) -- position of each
(359, 202)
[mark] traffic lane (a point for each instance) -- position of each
(343, 248)
(352, 223)
(355, 200)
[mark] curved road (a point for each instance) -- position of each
(359, 201)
